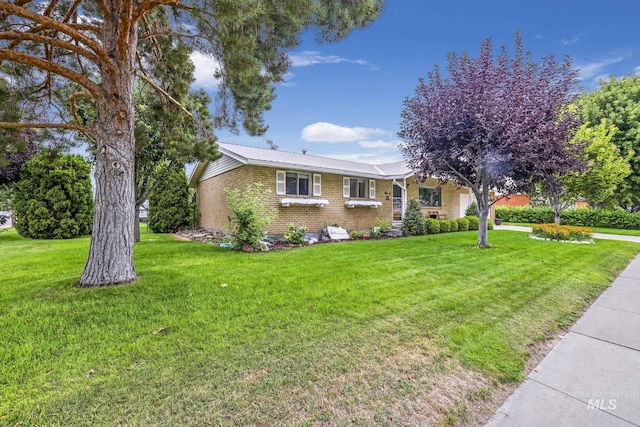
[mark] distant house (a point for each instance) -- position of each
(314, 191)
(514, 200)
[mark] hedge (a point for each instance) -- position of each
(432, 226)
(617, 218)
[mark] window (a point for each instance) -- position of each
(357, 188)
(297, 184)
(430, 196)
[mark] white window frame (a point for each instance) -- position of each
(284, 191)
(346, 187)
(372, 188)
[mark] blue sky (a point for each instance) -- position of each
(344, 99)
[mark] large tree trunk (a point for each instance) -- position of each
(110, 259)
(136, 224)
(557, 208)
(484, 208)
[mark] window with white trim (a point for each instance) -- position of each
(356, 188)
(430, 196)
(297, 184)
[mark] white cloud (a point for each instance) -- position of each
(572, 40)
(636, 70)
(286, 80)
(379, 144)
(596, 68)
(312, 57)
(205, 67)
(328, 132)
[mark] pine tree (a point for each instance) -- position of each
(169, 203)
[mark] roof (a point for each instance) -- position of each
(287, 160)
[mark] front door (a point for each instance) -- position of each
(398, 211)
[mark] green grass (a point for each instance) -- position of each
(595, 229)
(335, 333)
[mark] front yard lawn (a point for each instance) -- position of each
(404, 331)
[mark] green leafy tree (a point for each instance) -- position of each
(169, 207)
(94, 51)
(618, 101)
(250, 214)
(413, 221)
(605, 168)
(53, 199)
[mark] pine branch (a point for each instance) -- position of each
(168, 97)
(45, 65)
(52, 24)
(49, 41)
(64, 126)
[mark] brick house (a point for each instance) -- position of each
(314, 191)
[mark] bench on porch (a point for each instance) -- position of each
(436, 215)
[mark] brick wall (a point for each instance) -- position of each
(213, 210)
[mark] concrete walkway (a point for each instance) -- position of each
(592, 376)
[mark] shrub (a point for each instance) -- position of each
(534, 215)
(295, 235)
(356, 234)
(616, 218)
(413, 222)
(453, 225)
(562, 232)
(444, 225)
(489, 224)
(375, 232)
(169, 207)
(463, 224)
(474, 222)
(472, 210)
(250, 214)
(432, 226)
(53, 199)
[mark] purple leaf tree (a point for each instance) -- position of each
(495, 124)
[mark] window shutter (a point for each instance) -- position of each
(345, 187)
(317, 184)
(372, 188)
(281, 187)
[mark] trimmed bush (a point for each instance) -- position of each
(474, 222)
(562, 232)
(616, 218)
(489, 224)
(53, 199)
(453, 225)
(444, 225)
(295, 235)
(413, 222)
(534, 215)
(463, 224)
(432, 226)
(169, 207)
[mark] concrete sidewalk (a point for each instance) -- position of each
(592, 376)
